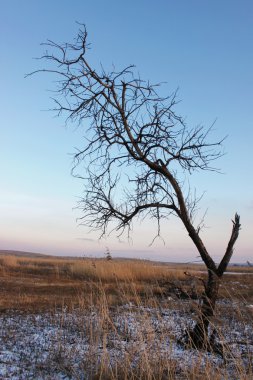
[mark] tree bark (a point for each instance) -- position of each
(198, 337)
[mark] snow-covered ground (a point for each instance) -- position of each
(73, 345)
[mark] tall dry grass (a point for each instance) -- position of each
(138, 339)
(113, 305)
(39, 283)
(109, 271)
(33, 282)
(92, 269)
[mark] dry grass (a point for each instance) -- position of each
(91, 269)
(124, 342)
(96, 293)
(39, 283)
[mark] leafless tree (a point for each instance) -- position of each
(130, 130)
(108, 255)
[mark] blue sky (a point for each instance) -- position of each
(204, 48)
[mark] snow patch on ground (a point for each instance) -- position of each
(71, 345)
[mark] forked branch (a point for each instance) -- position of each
(230, 248)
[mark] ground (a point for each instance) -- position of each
(60, 324)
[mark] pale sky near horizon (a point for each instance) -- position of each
(204, 48)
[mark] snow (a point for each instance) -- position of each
(72, 344)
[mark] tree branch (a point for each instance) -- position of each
(230, 248)
(136, 146)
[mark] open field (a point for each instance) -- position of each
(119, 319)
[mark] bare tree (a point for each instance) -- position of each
(132, 131)
(108, 255)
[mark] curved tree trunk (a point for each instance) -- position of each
(198, 337)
